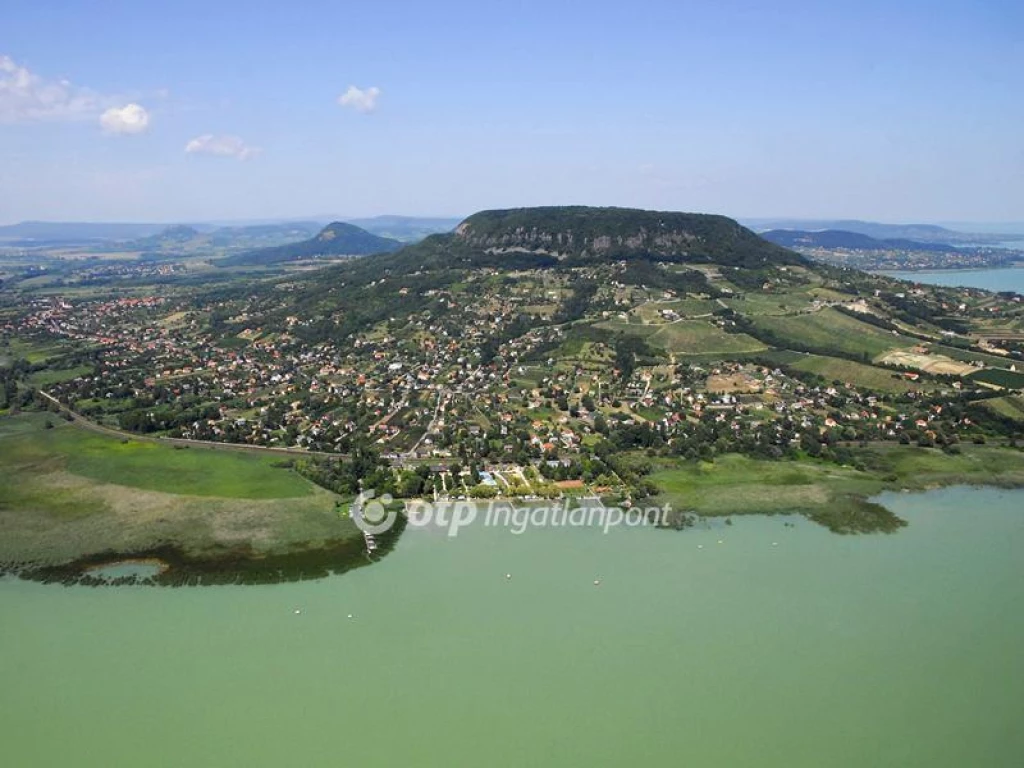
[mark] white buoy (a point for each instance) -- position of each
(297, 611)
(350, 615)
(720, 541)
(700, 546)
(597, 582)
(508, 575)
(775, 543)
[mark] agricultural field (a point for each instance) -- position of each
(699, 337)
(690, 337)
(858, 374)
(940, 365)
(769, 303)
(732, 383)
(1000, 378)
(1011, 407)
(651, 311)
(831, 330)
(969, 355)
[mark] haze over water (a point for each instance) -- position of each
(899, 650)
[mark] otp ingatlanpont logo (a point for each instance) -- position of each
(373, 515)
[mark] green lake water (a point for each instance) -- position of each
(780, 646)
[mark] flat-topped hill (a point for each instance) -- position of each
(582, 233)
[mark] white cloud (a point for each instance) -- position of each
(28, 97)
(131, 118)
(359, 99)
(224, 146)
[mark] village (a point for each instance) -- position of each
(482, 386)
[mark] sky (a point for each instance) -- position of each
(200, 111)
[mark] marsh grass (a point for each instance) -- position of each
(69, 494)
(147, 465)
(836, 497)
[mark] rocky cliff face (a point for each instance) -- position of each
(568, 241)
(582, 232)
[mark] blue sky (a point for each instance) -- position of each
(894, 111)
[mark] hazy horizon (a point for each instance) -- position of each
(980, 227)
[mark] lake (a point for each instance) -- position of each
(1003, 279)
(770, 642)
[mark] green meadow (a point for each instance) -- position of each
(754, 303)
(688, 337)
(831, 330)
(34, 352)
(49, 377)
(70, 493)
(835, 496)
(146, 465)
(858, 374)
(1011, 406)
(700, 337)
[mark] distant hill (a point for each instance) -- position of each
(336, 239)
(176, 235)
(837, 238)
(925, 233)
(182, 240)
(405, 228)
(263, 235)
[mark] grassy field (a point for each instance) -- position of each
(858, 374)
(1011, 406)
(698, 337)
(835, 496)
(69, 493)
(633, 327)
(651, 311)
(49, 377)
(969, 355)
(736, 485)
(768, 303)
(832, 330)
(689, 337)
(148, 466)
(34, 352)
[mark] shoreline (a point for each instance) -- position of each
(237, 567)
(241, 568)
(58, 526)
